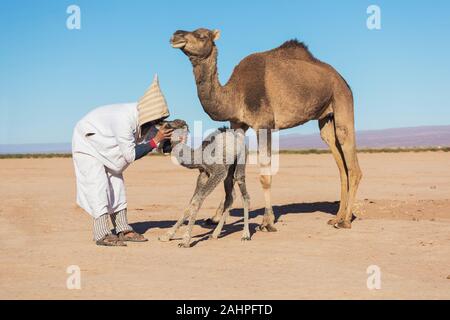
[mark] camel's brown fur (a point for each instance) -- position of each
(278, 89)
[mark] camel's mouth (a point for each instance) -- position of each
(177, 43)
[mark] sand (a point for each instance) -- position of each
(403, 227)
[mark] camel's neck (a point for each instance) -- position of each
(187, 158)
(215, 99)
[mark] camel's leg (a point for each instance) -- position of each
(216, 218)
(171, 233)
(345, 134)
(220, 210)
(215, 235)
(201, 181)
(240, 178)
(228, 202)
(328, 134)
(264, 160)
(197, 201)
(193, 210)
(246, 201)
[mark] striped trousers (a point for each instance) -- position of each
(119, 220)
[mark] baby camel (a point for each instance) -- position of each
(221, 158)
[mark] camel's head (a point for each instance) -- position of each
(180, 132)
(195, 44)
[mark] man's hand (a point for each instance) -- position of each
(163, 134)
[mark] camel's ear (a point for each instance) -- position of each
(216, 35)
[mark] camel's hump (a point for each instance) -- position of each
(253, 66)
(293, 44)
(291, 49)
(294, 48)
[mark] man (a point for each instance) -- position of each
(104, 144)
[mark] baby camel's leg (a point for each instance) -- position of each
(216, 218)
(241, 129)
(212, 182)
(201, 181)
(246, 200)
(227, 203)
(220, 210)
(171, 233)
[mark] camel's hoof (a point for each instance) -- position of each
(184, 245)
(343, 225)
(267, 228)
(334, 221)
(213, 237)
(164, 238)
(210, 222)
(246, 238)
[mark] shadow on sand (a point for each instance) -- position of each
(293, 208)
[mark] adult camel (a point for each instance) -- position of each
(279, 89)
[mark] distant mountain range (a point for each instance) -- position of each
(35, 148)
(426, 136)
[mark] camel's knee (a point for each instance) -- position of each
(195, 203)
(356, 174)
(246, 197)
(266, 181)
(228, 202)
(342, 134)
(229, 188)
(243, 188)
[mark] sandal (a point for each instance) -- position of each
(131, 236)
(110, 241)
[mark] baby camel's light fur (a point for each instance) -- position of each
(228, 166)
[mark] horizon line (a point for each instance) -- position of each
(281, 133)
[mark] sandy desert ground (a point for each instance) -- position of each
(403, 226)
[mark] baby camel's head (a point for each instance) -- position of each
(180, 132)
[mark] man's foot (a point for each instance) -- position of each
(131, 236)
(110, 241)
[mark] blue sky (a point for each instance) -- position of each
(51, 76)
